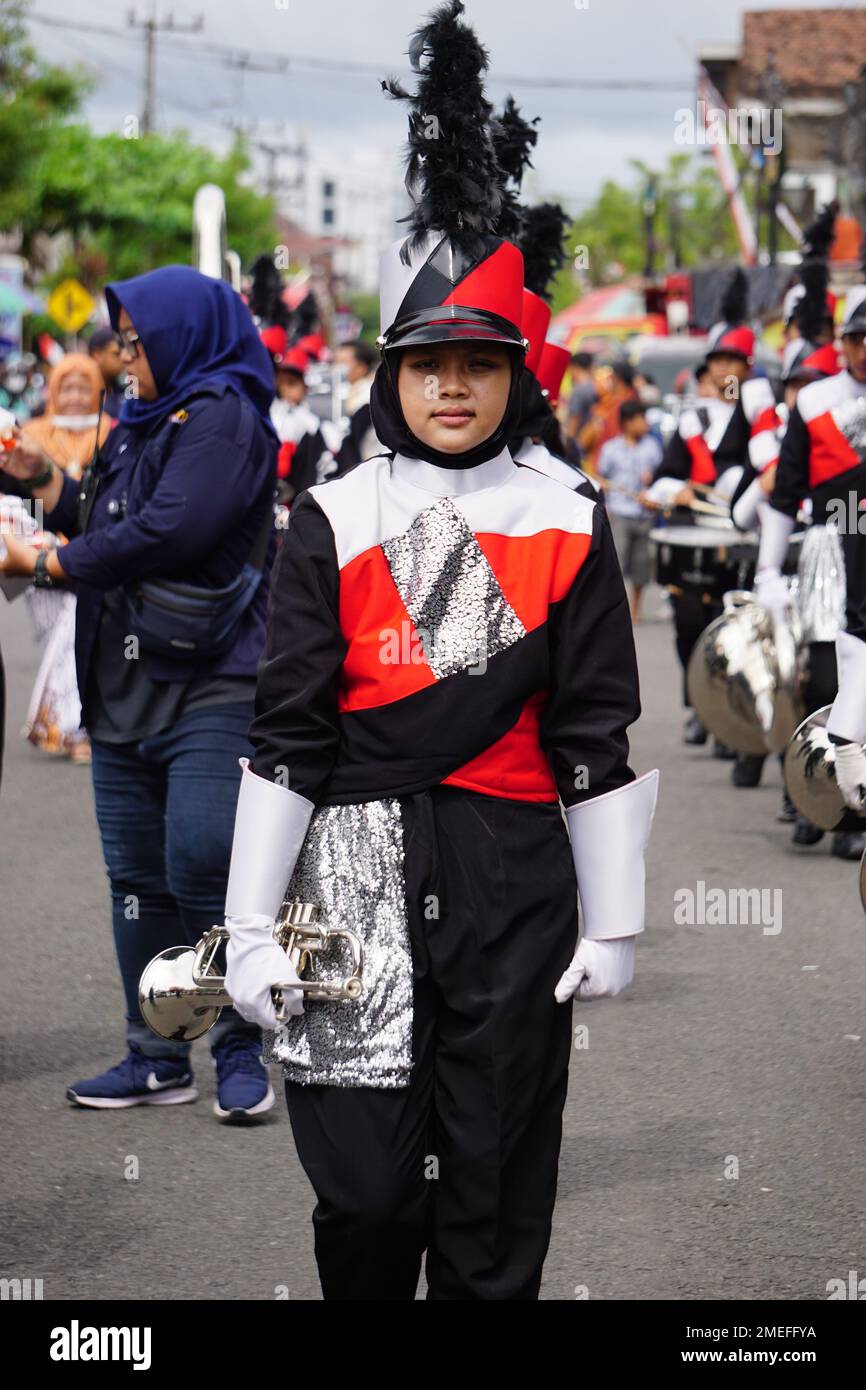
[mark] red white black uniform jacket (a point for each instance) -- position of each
(723, 443)
(823, 456)
(460, 626)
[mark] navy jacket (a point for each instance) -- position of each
(185, 501)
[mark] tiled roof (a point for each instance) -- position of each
(820, 49)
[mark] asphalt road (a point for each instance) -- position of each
(715, 1124)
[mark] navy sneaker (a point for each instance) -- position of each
(137, 1080)
(244, 1088)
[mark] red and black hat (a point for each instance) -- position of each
(803, 361)
(732, 336)
(452, 276)
(805, 357)
(553, 361)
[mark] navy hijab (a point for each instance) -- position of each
(196, 331)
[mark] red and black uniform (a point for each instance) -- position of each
(504, 590)
(823, 457)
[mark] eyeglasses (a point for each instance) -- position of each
(129, 341)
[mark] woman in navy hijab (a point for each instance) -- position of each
(182, 492)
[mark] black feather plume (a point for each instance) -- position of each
(541, 238)
(451, 169)
(810, 311)
(266, 293)
(820, 234)
(735, 298)
(513, 141)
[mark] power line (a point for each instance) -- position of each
(282, 63)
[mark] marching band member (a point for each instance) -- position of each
(304, 457)
(822, 458)
(710, 446)
(847, 723)
(418, 800)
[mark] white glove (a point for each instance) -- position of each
(773, 594)
(851, 774)
(598, 967)
(255, 962)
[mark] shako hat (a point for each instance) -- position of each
(452, 277)
(732, 335)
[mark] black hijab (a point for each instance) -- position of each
(537, 420)
(390, 425)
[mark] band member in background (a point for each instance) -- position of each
(847, 722)
(710, 448)
(808, 356)
(358, 360)
(304, 457)
(823, 458)
(417, 800)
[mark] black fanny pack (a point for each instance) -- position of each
(171, 618)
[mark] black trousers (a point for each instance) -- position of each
(822, 682)
(463, 1162)
(691, 616)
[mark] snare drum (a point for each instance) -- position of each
(705, 561)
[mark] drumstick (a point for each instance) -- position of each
(697, 505)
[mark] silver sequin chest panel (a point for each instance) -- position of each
(450, 591)
(351, 864)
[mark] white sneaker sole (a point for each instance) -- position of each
(181, 1096)
(238, 1115)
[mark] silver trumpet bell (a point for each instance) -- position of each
(181, 995)
(810, 777)
(743, 677)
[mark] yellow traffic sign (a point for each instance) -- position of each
(70, 306)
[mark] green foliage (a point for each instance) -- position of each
(366, 308)
(34, 100)
(692, 224)
(126, 204)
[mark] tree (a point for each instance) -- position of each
(692, 225)
(35, 99)
(127, 204)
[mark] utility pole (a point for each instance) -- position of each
(650, 203)
(150, 28)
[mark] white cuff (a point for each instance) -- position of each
(726, 484)
(608, 836)
(848, 715)
(664, 490)
(775, 532)
(270, 824)
(745, 509)
(689, 425)
(764, 450)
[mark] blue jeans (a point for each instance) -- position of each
(166, 810)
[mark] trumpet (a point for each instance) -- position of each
(181, 995)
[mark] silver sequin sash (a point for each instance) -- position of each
(821, 586)
(351, 864)
(450, 591)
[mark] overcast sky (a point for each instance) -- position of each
(587, 135)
